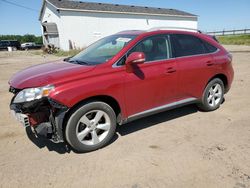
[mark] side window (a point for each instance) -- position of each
(187, 45)
(121, 61)
(155, 48)
(5, 43)
(209, 47)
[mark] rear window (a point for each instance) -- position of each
(187, 45)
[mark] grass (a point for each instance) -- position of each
(235, 39)
(59, 53)
(69, 53)
(99, 52)
(37, 52)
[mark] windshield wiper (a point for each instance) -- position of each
(78, 62)
(67, 59)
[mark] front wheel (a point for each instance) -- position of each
(91, 126)
(213, 95)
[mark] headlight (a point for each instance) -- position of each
(31, 94)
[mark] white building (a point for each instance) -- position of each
(74, 24)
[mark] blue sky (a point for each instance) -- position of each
(213, 14)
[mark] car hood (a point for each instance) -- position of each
(48, 73)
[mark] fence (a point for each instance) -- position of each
(230, 32)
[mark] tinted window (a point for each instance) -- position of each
(186, 45)
(155, 48)
(14, 43)
(5, 43)
(121, 61)
(209, 47)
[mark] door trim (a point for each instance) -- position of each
(160, 109)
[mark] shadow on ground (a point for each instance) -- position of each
(41, 142)
(156, 119)
(123, 130)
(60, 148)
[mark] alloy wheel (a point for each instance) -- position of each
(214, 95)
(93, 127)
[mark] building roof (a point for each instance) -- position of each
(114, 8)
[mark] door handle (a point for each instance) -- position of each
(210, 63)
(170, 70)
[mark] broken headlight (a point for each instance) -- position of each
(31, 94)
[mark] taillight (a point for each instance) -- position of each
(230, 57)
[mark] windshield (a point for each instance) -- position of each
(102, 50)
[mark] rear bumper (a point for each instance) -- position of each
(230, 78)
(45, 116)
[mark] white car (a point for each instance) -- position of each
(27, 45)
(30, 45)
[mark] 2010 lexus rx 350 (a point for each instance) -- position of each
(120, 78)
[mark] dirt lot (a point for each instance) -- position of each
(179, 148)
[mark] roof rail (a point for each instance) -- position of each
(174, 28)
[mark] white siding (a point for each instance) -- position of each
(83, 28)
(51, 15)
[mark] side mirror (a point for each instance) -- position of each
(133, 59)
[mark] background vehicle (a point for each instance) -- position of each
(4, 44)
(118, 79)
(30, 45)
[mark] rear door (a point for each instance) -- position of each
(194, 64)
(153, 83)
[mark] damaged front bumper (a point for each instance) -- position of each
(45, 116)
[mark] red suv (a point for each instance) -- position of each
(120, 78)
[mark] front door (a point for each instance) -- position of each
(152, 84)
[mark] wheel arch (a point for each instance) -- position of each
(223, 78)
(100, 98)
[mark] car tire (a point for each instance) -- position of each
(91, 126)
(213, 95)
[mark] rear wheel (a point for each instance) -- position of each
(91, 127)
(213, 95)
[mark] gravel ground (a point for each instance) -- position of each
(178, 148)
